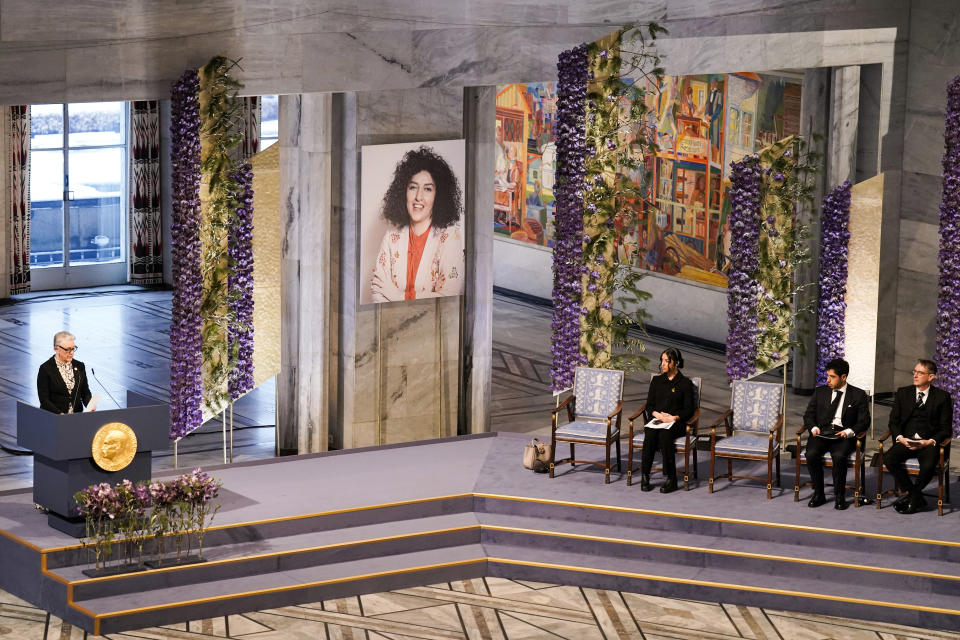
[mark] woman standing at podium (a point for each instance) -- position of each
(62, 381)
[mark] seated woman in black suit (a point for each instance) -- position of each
(62, 381)
(670, 399)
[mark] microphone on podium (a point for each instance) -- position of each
(109, 395)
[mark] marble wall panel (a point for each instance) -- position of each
(119, 19)
(387, 116)
(921, 197)
(725, 54)
(916, 322)
(919, 243)
(32, 77)
(449, 57)
(934, 51)
(887, 323)
(923, 143)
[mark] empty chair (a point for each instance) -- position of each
(751, 428)
(594, 411)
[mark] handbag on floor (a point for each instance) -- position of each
(536, 456)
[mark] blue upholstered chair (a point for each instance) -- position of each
(686, 445)
(856, 460)
(913, 468)
(751, 430)
(594, 412)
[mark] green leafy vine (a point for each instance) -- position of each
(617, 141)
(221, 133)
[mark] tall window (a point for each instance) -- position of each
(268, 121)
(78, 184)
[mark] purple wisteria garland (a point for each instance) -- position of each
(743, 286)
(832, 304)
(568, 249)
(240, 285)
(185, 338)
(948, 299)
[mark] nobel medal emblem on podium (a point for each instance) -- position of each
(114, 445)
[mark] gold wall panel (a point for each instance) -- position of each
(863, 282)
(267, 248)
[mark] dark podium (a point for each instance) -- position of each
(63, 457)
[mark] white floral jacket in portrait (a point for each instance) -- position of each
(441, 267)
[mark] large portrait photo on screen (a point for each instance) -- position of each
(411, 221)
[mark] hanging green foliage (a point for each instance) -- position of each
(783, 245)
(221, 133)
(618, 142)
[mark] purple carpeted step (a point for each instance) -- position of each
(838, 530)
(823, 596)
(224, 540)
(850, 567)
(294, 586)
(290, 552)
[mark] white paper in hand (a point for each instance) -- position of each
(658, 424)
(92, 405)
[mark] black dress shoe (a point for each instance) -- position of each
(669, 485)
(817, 500)
(840, 503)
(645, 482)
(918, 503)
(902, 501)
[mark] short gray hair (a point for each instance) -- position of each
(60, 336)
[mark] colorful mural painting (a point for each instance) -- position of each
(525, 162)
(702, 123)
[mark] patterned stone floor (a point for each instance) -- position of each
(490, 608)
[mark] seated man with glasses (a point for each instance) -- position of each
(921, 418)
(62, 381)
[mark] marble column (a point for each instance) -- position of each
(479, 123)
(306, 150)
(815, 110)
(844, 117)
(345, 261)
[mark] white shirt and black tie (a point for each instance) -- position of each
(838, 415)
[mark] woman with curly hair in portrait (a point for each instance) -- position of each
(422, 255)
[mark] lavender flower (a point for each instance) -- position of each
(744, 263)
(185, 338)
(568, 229)
(948, 299)
(832, 305)
(240, 284)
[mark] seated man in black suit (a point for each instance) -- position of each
(62, 381)
(921, 418)
(835, 414)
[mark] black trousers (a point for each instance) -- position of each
(839, 449)
(895, 457)
(661, 440)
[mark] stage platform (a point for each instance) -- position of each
(315, 527)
